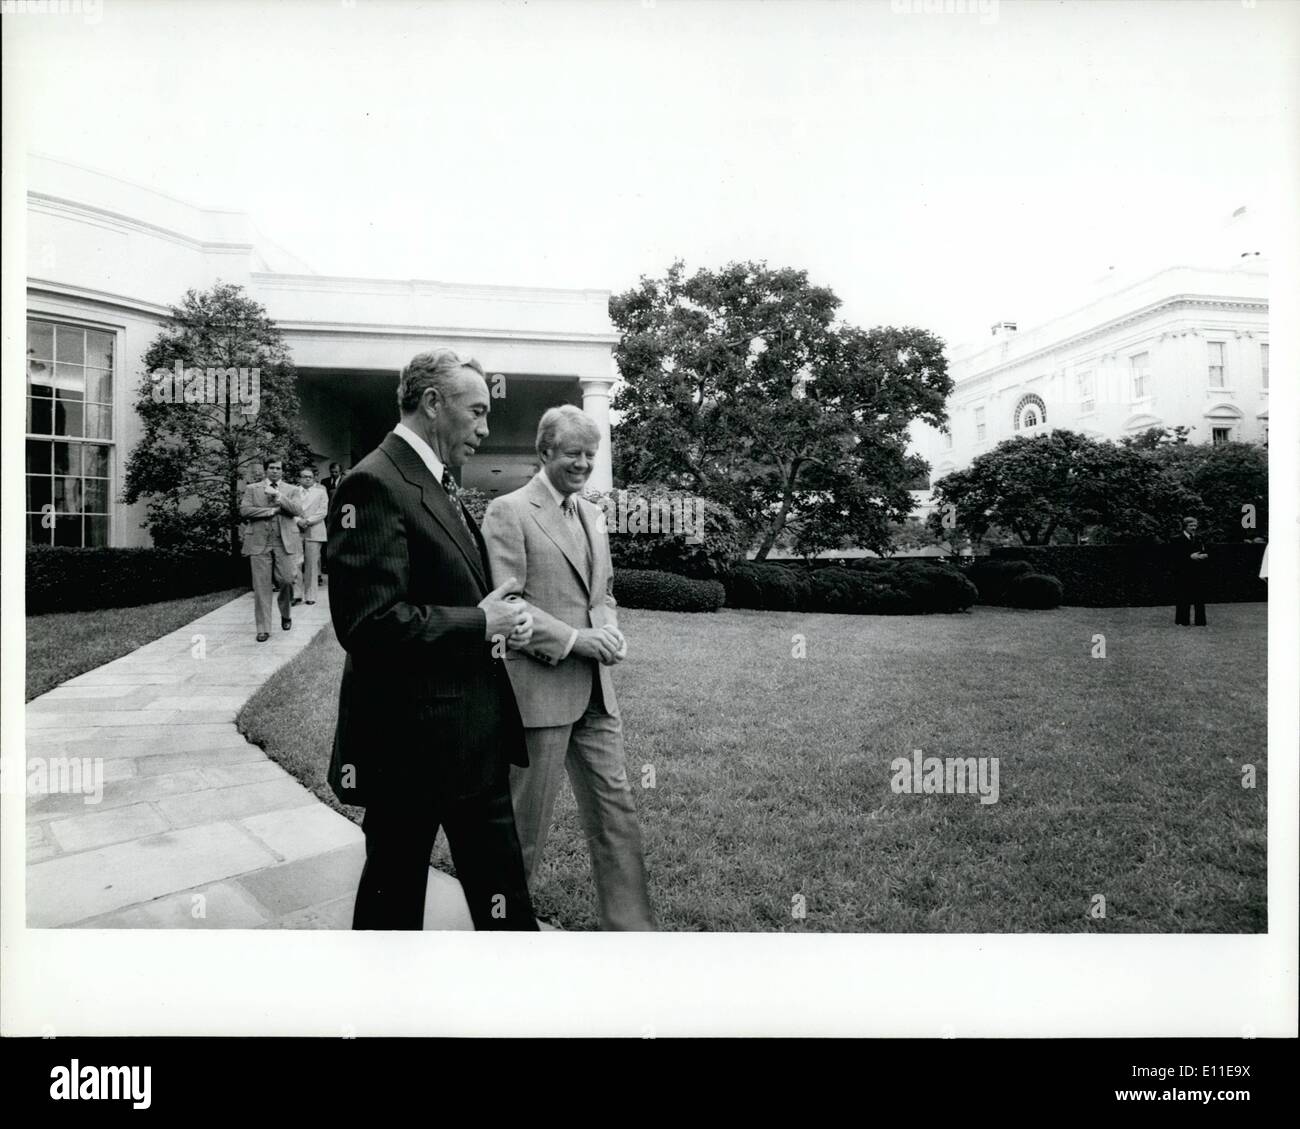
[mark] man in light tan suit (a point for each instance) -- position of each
(315, 506)
(271, 542)
(553, 541)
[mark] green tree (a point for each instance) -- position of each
(1229, 482)
(743, 387)
(196, 450)
(1061, 486)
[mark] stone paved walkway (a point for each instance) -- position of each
(195, 827)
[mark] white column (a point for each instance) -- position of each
(595, 402)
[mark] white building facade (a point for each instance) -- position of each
(106, 260)
(1186, 346)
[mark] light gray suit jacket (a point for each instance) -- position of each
(525, 539)
(258, 538)
(315, 507)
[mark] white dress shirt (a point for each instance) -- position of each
(421, 448)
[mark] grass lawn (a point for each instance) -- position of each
(1118, 776)
(62, 645)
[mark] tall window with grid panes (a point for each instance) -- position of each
(1140, 375)
(1085, 390)
(70, 381)
(1216, 364)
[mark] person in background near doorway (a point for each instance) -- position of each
(315, 505)
(330, 482)
(271, 542)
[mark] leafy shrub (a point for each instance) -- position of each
(634, 544)
(855, 593)
(939, 587)
(881, 587)
(992, 576)
(63, 579)
(1034, 590)
(194, 529)
(771, 587)
(665, 591)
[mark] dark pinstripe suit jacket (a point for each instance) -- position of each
(424, 708)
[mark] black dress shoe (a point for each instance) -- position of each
(311, 601)
(263, 636)
(297, 602)
(286, 623)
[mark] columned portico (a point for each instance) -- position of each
(113, 257)
(595, 402)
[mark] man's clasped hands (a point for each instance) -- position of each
(509, 615)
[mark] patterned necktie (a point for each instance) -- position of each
(577, 535)
(453, 492)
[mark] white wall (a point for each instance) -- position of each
(1170, 316)
(115, 255)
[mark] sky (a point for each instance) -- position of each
(939, 168)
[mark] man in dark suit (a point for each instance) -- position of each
(428, 726)
(1190, 558)
(330, 482)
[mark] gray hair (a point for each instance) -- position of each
(433, 369)
(565, 417)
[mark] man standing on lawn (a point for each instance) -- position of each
(272, 543)
(1190, 561)
(552, 541)
(427, 721)
(315, 505)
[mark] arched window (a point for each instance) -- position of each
(1030, 412)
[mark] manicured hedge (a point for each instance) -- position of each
(993, 576)
(1140, 575)
(868, 587)
(1034, 590)
(66, 580)
(772, 587)
(665, 591)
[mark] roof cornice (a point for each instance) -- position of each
(53, 205)
(358, 329)
(274, 280)
(38, 287)
(1164, 305)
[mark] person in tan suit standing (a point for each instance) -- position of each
(553, 541)
(311, 526)
(272, 542)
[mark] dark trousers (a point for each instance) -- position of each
(1189, 598)
(484, 847)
